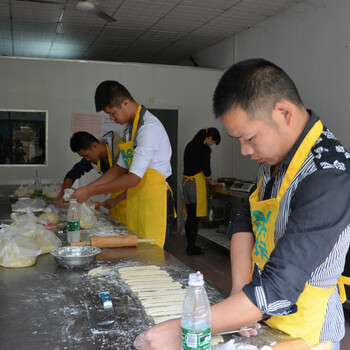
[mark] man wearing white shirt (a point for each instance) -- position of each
(142, 168)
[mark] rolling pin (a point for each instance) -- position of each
(300, 344)
(114, 241)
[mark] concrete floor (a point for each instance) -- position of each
(215, 263)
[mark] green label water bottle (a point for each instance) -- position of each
(38, 188)
(73, 221)
(196, 316)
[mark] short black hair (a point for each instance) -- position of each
(82, 140)
(253, 85)
(110, 93)
(203, 133)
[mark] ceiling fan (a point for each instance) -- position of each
(82, 5)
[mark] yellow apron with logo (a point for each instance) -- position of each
(119, 211)
(201, 193)
(146, 204)
(308, 321)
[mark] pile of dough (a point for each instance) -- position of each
(160, 295)
(50, 218)
(24, 190)
(17, 250)
(43, 237)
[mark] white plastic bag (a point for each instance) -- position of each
(24, 190)
(87, 216)
(50, 215)
(68, 192)
(51, 191)
(45, 238)
(36, 204)
(17, 250)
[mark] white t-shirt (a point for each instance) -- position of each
(153, 148)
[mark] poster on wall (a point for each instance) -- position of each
(89, 122)
(97, 124)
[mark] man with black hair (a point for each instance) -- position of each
(142, 168)
(98, 154)
(290, 239)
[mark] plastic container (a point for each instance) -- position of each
(196, 316)
(73, 221)
(38, 187)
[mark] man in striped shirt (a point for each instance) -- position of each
(289, 242)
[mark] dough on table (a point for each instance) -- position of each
(159, 294)
(98, 270)
(216, 339)
(140, 273)
(163, 310)
(175, 293)
(50, 218)
(162, 300)
(160, 319)
(139, 268)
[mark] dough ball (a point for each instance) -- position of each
(50, 218)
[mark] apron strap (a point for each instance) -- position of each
(109, 160)
(136, 123)
(190, 178)
(300, 157)
(342, 281)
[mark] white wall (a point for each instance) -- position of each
(63, 87)
(311, 42)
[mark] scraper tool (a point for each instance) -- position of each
(101, 319)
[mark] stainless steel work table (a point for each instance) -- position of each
(45, 306)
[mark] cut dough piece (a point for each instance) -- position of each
(216, 339)
(137, 268)
(159, 319)
(160, 283)
(98, 270)
(155, 288)
(141, 273)
(162, 301)
(153, 294)
(165, 310)
(143, 278)
(163, 304)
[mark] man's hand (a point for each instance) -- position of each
(59, 201)
(110, 203)
(82, 194)
(165, 335)
(254, 330)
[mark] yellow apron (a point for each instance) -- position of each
(119, 211)
(201, 192)
(307, 322)
(146, 204)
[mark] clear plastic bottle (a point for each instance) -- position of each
(73, 221)
(196, 316)
(38, 188)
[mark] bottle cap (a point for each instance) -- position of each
(196, 279)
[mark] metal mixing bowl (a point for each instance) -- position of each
(75, 257)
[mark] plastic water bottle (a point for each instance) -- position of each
(73, 221)
(38, 188)
(196, 316)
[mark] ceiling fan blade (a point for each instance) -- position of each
(44, 2)
(103, 15)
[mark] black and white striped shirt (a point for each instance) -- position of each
(312, 232)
